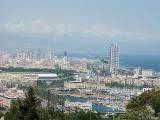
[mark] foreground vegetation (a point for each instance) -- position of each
(30, 109)
(143, 107)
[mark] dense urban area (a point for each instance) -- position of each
(36, 84)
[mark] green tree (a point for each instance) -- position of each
(88, 116)
(28, 108)
(144, 106)
(44, 114)
(24, 109)
(12, 114)
(137, 115)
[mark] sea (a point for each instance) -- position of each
(142, 61)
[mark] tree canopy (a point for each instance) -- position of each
(30, 108)
(144, 107)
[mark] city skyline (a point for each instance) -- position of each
(81, 26)
(79, 59)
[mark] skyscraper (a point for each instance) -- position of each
(65, 53)
(114, 58)
(50, 54)
(65, 57)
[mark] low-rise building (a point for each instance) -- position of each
(7, 96)
(83, 85)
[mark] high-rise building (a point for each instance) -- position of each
(65, 53)
(65, 57)
(114, 58)
(50, 54)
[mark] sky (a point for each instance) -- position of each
(81, 25)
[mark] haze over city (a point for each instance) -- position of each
(81, 26)
(79, 60)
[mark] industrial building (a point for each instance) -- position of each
(47, 77)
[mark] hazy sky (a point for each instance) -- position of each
(81, 25)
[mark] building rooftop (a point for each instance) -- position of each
(47, 75)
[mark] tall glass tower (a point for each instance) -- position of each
(114, 58)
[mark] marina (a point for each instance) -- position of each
(95, 107)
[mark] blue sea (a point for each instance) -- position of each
(143, 61)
